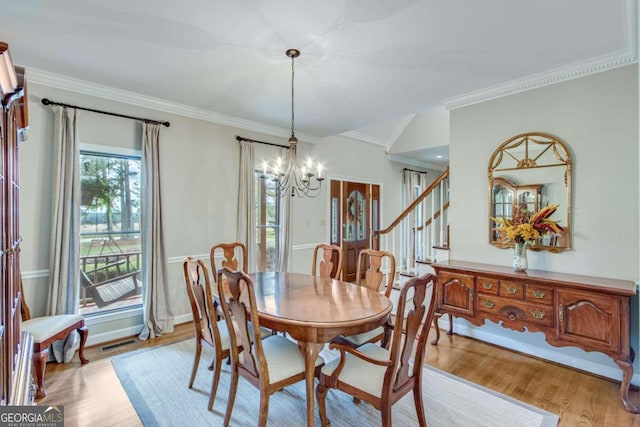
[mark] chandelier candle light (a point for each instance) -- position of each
(293, 179)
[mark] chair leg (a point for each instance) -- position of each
(264, 408)
(232, 395)
(39, 365)
(196, 362)
(214, 381)
(385, 412)
(417, 399)
(84, 333)
(321, 394)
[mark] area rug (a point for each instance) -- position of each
(156, 382)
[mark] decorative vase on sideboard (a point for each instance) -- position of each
(520, 262)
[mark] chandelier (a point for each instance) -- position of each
(291, 178)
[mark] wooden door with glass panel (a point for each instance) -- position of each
(354, 211)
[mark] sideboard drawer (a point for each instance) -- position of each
(511, 289)
(488, 285)
(539, 294)
(516, 310)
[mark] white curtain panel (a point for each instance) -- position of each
(64, 260)
(285, 223)
(246, 203)
(64, 251)
(158, 314)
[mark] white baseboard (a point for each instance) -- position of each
(547, 353)
(117, 334)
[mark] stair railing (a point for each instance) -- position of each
(429, 230)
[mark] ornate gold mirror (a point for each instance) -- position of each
(526, 173)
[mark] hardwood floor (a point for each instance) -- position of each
(92, 395)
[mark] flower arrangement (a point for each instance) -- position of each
(527, 227)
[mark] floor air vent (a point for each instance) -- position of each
(117, 345)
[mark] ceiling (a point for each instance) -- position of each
(366, 65)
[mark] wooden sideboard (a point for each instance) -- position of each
(591, 313)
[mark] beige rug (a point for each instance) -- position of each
(156, 382)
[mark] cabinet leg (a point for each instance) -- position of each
(450, 331)
(627, 372)
(39, 365)
(436, 316)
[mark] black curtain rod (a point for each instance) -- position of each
(46, 101)
(413, 170)
(239, 138)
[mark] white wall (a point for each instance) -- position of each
(427, 129)
(199, 161)
(597, 117)
(349, 160)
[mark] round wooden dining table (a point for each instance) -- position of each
(313, 311)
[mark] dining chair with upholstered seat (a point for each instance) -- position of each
(208, 329)
(371, 262)
(234, 257)
(45, 330)
(382, 376)
(330, 262)
(269, 364)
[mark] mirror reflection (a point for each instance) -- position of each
(526, 173)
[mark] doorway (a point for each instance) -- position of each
(354, 213)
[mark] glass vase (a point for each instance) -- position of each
(520, 262)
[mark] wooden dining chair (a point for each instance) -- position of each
(45, 330)
(330, 263)
(370, 275)
(382, 376)
(269, 364)
(234, 257)
(208, 329)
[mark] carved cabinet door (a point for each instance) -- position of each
(456, 293)
(591, 320)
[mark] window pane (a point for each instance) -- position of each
(267, 223)
(110, 251)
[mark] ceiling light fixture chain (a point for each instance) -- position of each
(295, 180)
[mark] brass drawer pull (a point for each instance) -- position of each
(538, 314)
(538, 294)
(512, 289)
(488, 303)
(487, 286)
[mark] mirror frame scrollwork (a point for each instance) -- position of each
(516, 150)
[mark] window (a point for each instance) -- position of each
(110, 251)
(267, 223)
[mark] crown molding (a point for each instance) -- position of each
(406, 161)
(621, 58)
(364, 138)
(536, 81)
(399, 130)
(84, 87)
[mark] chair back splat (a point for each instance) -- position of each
(330, 264)
(234, 257)
(370, 274)
(417, 302)
(240, 302)
(196, 277)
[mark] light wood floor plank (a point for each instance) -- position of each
(92, 394)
